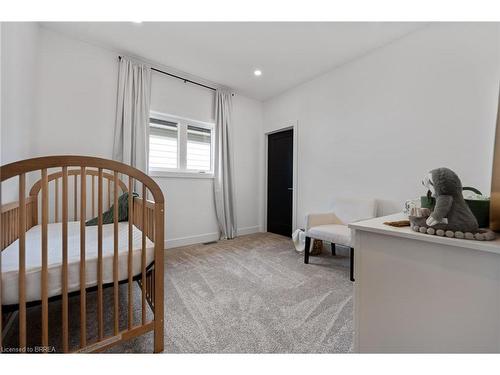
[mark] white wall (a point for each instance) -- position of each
(248, 146)
(18, 71)
(76, 101)
(76, 97)
(191, 216)
(375, 126)
(372, 127)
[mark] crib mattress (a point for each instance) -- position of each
(10, 259)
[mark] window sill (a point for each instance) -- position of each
(166, 174)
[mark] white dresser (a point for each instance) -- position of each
(420, 293)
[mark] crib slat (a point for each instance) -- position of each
(9, 218)
(115, 254)
(159, 217)
(83, 297)
(75, 198)
(22, 264)
(6, 231)
(12, 229)
(143, 254)
(130, 245)
(109, 193)
(16, 227)
(56, 214)
(100, 319)
(65, 335)
(35, 211)
(93, 195)
(45, 221)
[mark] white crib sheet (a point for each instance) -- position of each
(10, 259)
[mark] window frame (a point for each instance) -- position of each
(182, 130)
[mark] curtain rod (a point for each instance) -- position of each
(181, 78)
(184, 79)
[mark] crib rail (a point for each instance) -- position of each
(96, 183)
(9, 227)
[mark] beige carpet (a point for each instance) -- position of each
(253, 294)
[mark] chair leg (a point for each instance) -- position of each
(352, 264)
(306, 250)
(334, 251)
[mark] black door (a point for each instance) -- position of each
(280, 182)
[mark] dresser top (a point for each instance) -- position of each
(377, 225)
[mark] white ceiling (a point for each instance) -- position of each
(228, 53)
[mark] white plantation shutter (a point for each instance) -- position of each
(180, 146)
(199, 148)
(163, 144)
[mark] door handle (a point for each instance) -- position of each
(290, 188)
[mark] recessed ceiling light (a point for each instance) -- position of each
(257, 73)
(136, 21)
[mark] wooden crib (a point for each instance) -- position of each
(40, 264)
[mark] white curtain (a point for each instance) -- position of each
(132, 114)
(223, 166)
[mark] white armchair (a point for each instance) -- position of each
(332, 226)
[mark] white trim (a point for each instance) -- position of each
(182, 146)
(248, 230)
(206, 237)
(174, 118)
(295, 175)
(191, 240)
(295, 127)
(156, 173)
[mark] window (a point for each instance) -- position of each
(180, 147)
(199, 148)
(163, 144)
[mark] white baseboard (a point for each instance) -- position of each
(206, 237)
(191, 240)
(248, 230)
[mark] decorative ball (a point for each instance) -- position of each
(440, 232)
(479, 236)
(415, 228)
(488, 236)
(422, 229)
(469, 236)
(450, 233)
(431, 231)
(459, 234)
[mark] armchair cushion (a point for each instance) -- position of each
(313, 220)
(336, 233)
(332, 227)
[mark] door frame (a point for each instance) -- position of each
(294, 126)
